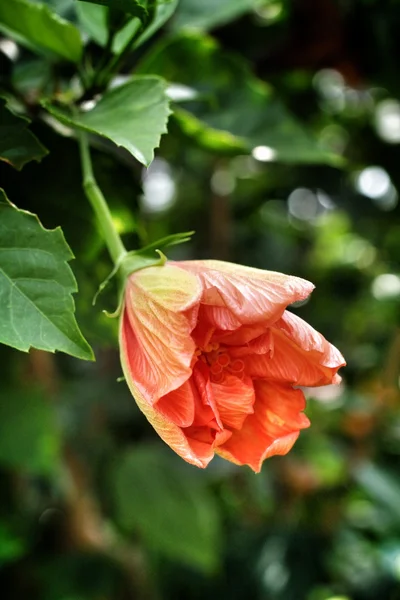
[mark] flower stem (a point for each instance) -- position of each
(95, 196)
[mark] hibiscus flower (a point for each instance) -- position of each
(214, 360)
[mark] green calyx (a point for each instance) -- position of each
(130, 262)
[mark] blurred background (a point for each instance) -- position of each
(283, 153)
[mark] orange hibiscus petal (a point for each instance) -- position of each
(206, 410)
(271, 430)
(169, 432)
(301, 355)
(250, 295)
(219, 317)
(178, 405)
(240, 337)
(310, 340)
(234, 399)
(204, 444)
(159, 315)
(263, 344)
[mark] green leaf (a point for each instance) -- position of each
(133, 115)
(29, 438)
(135, 8)
(36, 283)
(207, 137)
(164, 11)
(40, 29)
(18, 145)
(168, 504)
(32, 76)
(123, 17)
(93, 20)
(231, 100)
(208, 13)
(61, 7)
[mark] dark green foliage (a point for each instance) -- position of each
(279, 111)
(18, 145)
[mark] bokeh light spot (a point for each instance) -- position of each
(158, 187)
(387, 120)
(303, 204)
(10, 49)
(373, 182)
(222, 182)
(263, 153)
(386, 286)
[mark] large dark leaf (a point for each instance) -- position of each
(36, 284)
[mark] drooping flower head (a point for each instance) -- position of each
(213, 359)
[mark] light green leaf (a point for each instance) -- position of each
(167, 504)
(208, 13)
(133, 115)
(208, 137)
(29, 438)
(18, 145)
(231, 100)
(40, 29)
(36, 283)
